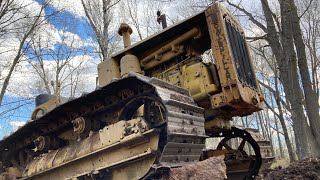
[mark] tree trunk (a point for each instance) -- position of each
(306, 145)
(287, 63)
(261, 124)
(13, 66)
(7, 79)
(292, 87)
(257, 122)
(275, 118)
(278, 135)
(106, 23)
(283, 124)
(269, 132)
(312, 106)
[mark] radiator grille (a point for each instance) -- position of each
(241, 56)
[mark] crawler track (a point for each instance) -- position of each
(172, 134)
(167, 109)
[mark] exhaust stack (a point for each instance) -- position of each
(125, 31)
(161, 18)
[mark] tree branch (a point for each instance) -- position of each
(310, 2)
(260, 25)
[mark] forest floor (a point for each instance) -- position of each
(308, 169)
(212, 168)
(280, 162)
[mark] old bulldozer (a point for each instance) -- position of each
(155, 104)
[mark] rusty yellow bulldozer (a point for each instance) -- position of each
(155, 104)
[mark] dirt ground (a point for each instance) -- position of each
(308, 169)
(212, 168)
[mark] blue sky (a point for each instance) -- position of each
(22, 106)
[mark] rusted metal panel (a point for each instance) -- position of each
(236, 98)
(110, 147)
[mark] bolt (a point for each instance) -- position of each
(254, 101)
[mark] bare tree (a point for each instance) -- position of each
(62, 60)
(310, 94)
(283, 34)
(267, 69)
(99, 15)
(11, 12)
(21, 26)
(130, 12)
(145, 23)
(310, 23)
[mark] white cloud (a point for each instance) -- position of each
(72, 6)
(32, 6)
(16, 124)
(8, 50)
(26, 83)
(9, 45)
(87, 72)
(20, 20)
(73, 40)
(47, 36)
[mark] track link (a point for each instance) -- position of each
(181, 133)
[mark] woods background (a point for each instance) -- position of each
(43, 42)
